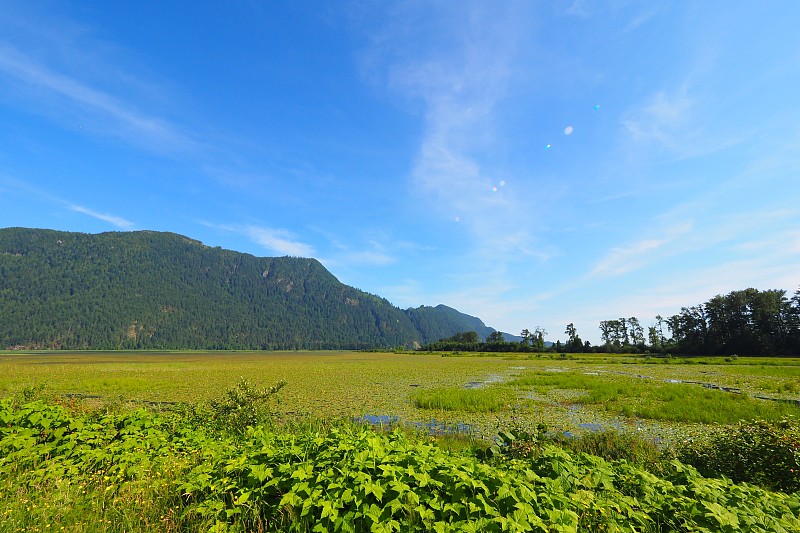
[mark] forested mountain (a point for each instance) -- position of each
(432, 321)
(149, 289)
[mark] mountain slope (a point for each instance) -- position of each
(435, 323)
(161, 290)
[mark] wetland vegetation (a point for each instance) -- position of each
(153, 442)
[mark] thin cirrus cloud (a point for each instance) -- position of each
(661, 118)
(366, 257)
(459, 75)
(105, 217)
(280, 241)
(111, 115)
(23, 187)
(622, 260)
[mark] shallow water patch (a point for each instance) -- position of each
(432, 427)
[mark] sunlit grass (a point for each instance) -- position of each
(86, 503)
(482, 400)
(657, 400)
(343, 385)
(322, 384)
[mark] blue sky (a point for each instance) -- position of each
(530, 163)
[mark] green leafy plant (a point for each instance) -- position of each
(245, 405)
(30, 393)
(763, 452)
(517, 442)
(146, 471)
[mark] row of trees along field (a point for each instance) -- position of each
(747, 322)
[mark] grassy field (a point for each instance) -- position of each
(574, 393)
(88, 458)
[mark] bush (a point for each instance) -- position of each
(244, 406)
(139, 471)
(760, 452)
(611, 445)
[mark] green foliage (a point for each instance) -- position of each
(763, 452)
(245, 406)
(641, 398)
(517, 443)
(478, 400)
(748, 322)
(611, 445)
(337, 479)
(30, 393)
(615, 445)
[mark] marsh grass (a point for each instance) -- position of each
(656, 400)
(614, 445)
(481, 400)
(611, 445)
(342, 385)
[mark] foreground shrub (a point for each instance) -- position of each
(345, 478)
(242, 406)
(245, 405)
(611, 445)
(615, 445)
(761, 452)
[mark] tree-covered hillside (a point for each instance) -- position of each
(432, 322)
(161, 290)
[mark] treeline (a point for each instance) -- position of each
(747, 322)
(469, 341)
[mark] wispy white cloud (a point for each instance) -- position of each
(369, 247)
(460, 72)
(679, 121)
(22, 186)
(623, 259)
(661, 118)
(105, 217)
(110, 114)
(576, 8)
(665, 294)
(783, 242)
(368, 257)
(758, 248)
(375, 254)
(671, 292)
(275, 240)
(640, 20)
(280, 241)
(684, 230)
(353, 259)
(481, 300)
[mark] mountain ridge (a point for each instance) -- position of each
(160, 290)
